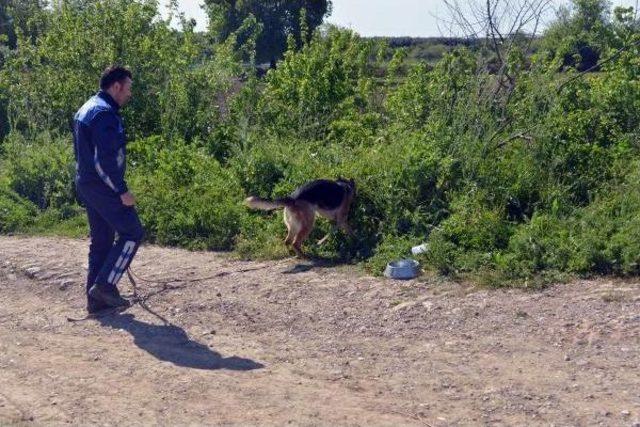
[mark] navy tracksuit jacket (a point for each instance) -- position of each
(100, 152)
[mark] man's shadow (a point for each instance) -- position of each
(171, 343)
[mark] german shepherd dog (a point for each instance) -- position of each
(330, 199)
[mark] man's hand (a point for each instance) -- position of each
(128, 199)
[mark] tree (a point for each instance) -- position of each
(580, 34)
(7, 29)
(45, 80)
(278, 20)
(21, 15)
(16, 17)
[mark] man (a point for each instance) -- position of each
(100, 152)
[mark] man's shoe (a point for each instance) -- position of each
(94, 306)
(107, 297)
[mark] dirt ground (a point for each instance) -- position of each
(300, 343)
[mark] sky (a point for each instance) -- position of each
(415, 18)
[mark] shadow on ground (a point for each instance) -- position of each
(311, 263)
(171, 343)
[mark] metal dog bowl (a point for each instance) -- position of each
(403, 269)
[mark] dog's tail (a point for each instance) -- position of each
(268, 205)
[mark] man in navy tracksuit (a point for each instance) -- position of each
(100, 152)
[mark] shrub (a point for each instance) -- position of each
(15, 212)
(41, 171)
(186, 198)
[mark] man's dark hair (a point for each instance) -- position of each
(112, 75)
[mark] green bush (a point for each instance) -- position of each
(68, 221)
(543, 243)
(329, 78)
(513, 172)
(41, 170)
(262, 237)
(470, 237)
(186, 198)
(16, 213)
(607, 229)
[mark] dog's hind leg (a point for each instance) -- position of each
(324, 239)
(306, 218)
(299, 239)
(289, 239)
(331, 216)
(341, 221)
(291, 226)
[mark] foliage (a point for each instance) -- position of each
(15, 212)
(21, 16)
(510, 179)
(274, 21)
(581, 34)
(185, 197)
(313, 92)
(49, 78)
(39, 170)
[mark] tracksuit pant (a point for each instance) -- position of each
(107, 216)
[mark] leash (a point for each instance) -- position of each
(136, 298)
(141, 300)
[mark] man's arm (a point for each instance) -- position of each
(106, 139)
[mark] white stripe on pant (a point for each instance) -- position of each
(117, 271)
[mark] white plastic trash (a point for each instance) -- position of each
(420, 249)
